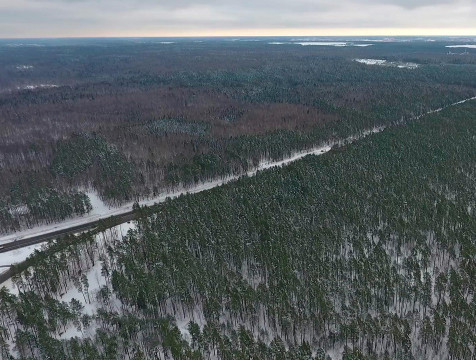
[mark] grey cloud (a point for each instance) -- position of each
(411, 4)
(290, 4)
(157, 17)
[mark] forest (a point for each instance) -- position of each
(129, 118)
(366, 252)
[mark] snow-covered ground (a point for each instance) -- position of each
(99, 206)
(320, 43)
(400, 65)
(330, 43)
(24, 67)
(18, 255)
(39, 86)
(462, 46)
(371, 61)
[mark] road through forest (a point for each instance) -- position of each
(124, 213)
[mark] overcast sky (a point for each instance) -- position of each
(84, 18)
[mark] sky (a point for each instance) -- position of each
(136, 18)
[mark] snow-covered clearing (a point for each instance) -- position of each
(461, 46)
(379, 62)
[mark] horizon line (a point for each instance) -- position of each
(391, 32)
(231, 36)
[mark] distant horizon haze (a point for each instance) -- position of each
(270, 35)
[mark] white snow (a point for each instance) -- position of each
(95, 282)
(24, 67)
(18, 255)
(39, 86)
(379, 62)
(461, 46)
(10, 287)
(99, 206)
(371, 61)
(321, 43)
(407, 66)
(330, 43)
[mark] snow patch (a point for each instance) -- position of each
(24, 67)
(321, 43)
(379, 62)
(21, 45)
(39, 86)
(330, 43)
(461, 46)
(371, 61)
(99, 206)
(18, 255)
